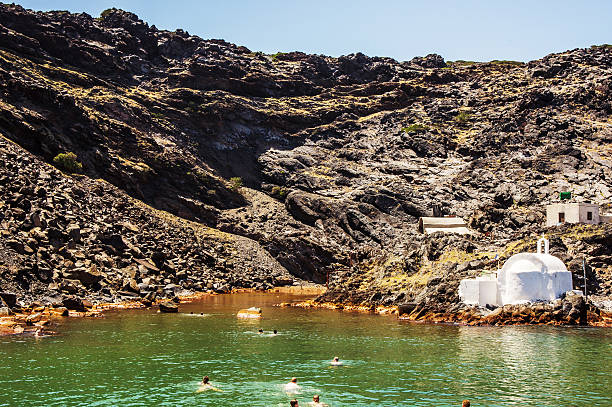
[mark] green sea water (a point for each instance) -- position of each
(143, 358)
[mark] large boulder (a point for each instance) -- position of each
(88, 276)
(429, 61)
(117, 241)
(168, 307)
(10, 299)
(73, 303)
(575, 308)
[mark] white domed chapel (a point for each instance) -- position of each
(524, 277)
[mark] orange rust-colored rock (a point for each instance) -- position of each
(33, 318)
(538, 314)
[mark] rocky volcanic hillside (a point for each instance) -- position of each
(338, 158)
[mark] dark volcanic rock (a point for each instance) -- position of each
(429, 61)
(289, 165)
(9, 299)
(168, 307)
(73, 303)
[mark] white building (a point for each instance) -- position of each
(524, 277)
(578, 212)
(447, 224)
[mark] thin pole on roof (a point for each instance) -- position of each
(585, 281)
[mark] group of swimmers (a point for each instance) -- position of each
(275, 332)
(293, 387)
(314, 403)
(290, 388)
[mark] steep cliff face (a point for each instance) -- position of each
(338, 156)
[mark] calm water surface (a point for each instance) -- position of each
(142, 358)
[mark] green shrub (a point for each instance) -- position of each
(279, 192)
(602, 46)
(506, 62)
(67, 162)
(107, 12)
(462, 117)
(415, 128)
(460, 62)
(235, 183)
(275, 57)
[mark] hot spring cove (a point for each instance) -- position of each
(143, 358)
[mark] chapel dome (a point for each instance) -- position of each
(529, 277)
(524, 277)
(544, 263)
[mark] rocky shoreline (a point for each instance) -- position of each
(39, 320)
(573, 310)
(570, 311)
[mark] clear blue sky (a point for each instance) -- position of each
(463, 29)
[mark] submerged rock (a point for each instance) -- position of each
(168, 306)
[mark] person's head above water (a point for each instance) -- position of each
(260, 331)
(294, 380)
(205, 379)
(294, 403)
(466, 403)
(315, 398)
(275, 331)
(336, 359)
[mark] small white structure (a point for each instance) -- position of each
(524, 277)
(479, 291)
(429, 225)
(576, 212)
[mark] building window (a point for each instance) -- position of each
(561, 217)
(589, 215)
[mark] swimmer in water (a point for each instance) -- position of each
(315, 402)
(336, 362)
(275, 332)
(294, 403)
(260, 331)
(292, 386)
(206, 385)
